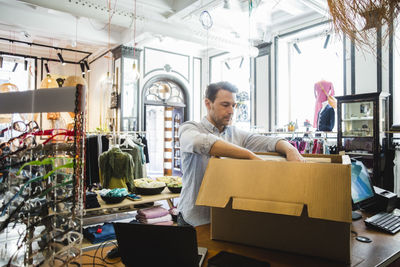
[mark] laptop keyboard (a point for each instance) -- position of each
(384, 221)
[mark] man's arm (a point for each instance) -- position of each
(222, 148)
(291, 153)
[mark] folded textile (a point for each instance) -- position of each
(165, 223)
(153, 212)
(92, 205)
(91, 195)
(165, 218)
(94, 235)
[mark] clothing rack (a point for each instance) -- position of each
(314, 135)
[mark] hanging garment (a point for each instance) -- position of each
(326, 119)
(95, 145)
(116, 169)
(145, 149)
(135, 153)
(321, 97)
(92, 156)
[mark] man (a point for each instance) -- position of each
(214, 136)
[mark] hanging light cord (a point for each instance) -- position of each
(134, 31)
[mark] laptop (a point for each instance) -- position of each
(158, 245)
(362, 191)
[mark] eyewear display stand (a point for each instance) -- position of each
(66, 99)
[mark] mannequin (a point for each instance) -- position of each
(326, 117)
(320, 96)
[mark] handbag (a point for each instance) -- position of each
(331, 99)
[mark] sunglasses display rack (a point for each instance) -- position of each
(41, 185)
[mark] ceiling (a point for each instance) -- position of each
(84, 24)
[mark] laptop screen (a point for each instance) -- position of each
(361, 187)
(157, 245)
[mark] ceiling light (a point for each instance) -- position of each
(227, 4)
(15, 67)
(87, 65)
(327, 41)
(25, 65)
(82, 67)
(61, 58)
(46, 65)
(241, 62)
(227, 65)
(297, 48)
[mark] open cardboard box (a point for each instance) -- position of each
(297, 207)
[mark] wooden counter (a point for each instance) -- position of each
(384, 250)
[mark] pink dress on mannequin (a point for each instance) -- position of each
(320, 97)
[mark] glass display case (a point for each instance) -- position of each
(127, 86)
(362, 122)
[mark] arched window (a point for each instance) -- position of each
(164, 92)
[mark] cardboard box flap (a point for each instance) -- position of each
(323, 187)
(284, 208)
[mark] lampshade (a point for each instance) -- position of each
(49, 82)
(8, 87)
(73, 81)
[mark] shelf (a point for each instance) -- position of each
(35, 101)
(129, 204)
(356, 136)
(359, 154)
(359, 119)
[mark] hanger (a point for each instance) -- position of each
(129, 141)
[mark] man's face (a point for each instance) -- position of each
(221, 110)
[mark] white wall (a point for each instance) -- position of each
(97, 100)
(261, 92)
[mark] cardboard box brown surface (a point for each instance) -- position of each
(298, 207)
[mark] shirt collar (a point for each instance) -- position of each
(210, 127)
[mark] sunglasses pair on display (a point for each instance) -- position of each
(27, 141)
(21, 126)
(16, 145)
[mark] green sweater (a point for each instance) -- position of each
(116, 169)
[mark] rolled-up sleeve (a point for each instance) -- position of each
(260, 143)
(192, 140)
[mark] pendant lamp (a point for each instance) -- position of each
(7, 87)
(48, 82)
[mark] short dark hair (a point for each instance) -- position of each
(213, 88)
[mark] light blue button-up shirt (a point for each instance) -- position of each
(196, 140)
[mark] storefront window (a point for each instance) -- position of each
(236, 70)
(14, 77)
(304, 60)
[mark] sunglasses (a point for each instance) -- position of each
(53, 133)
(21, 126)
(16, 145)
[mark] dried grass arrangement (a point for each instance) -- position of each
(356, 17)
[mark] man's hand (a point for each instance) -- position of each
(291, 153)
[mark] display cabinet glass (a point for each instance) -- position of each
(127, 86)
(362, 122)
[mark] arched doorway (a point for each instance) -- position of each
(164, 109)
